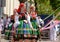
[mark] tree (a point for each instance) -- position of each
(22, 1)
(43, 6)
(55, 3)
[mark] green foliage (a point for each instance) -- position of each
(44, 7)
(55, 3)
(22, 1)
(58, 12)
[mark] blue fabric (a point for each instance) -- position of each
(25, 31)
(24, 25)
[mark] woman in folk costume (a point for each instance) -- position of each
(15, 22)
(40, 23)
(20, 29)
(28, 20)
(33, 15)
(27, 28)
(21, 11)
(16, 19)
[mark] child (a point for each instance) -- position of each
(1, 28)
(33, 15)
(40, 22)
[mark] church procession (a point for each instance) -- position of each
(23, 25)
(26, 25)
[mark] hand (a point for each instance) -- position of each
(32, 28)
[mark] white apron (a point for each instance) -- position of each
(28, 19)
(16, 21)
(38, 23)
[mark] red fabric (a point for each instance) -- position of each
(24, 10)
(22, 15)
(21, 6)
(34, 14)
(19, 9)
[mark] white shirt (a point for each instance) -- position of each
(8, 19)
(28, 17)
(2, 22)
(16, 21)
(28, 20)
(0, 27)
(39, 21)
(16, 18)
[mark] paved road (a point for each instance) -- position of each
(58, 40)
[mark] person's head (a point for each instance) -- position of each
(39, 17)
(22, 5)
(1, 17)
(34, 15)
(32, 8)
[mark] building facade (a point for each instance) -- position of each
(11, 5)
(2, 5)
(7, 6)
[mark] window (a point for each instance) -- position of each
(2, 3)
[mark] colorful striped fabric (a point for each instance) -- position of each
(20, 28)
(27, 29)
(34, 24)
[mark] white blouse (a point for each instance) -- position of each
(0, 27)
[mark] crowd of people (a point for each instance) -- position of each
(23, 24)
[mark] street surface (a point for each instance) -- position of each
(58, 40)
